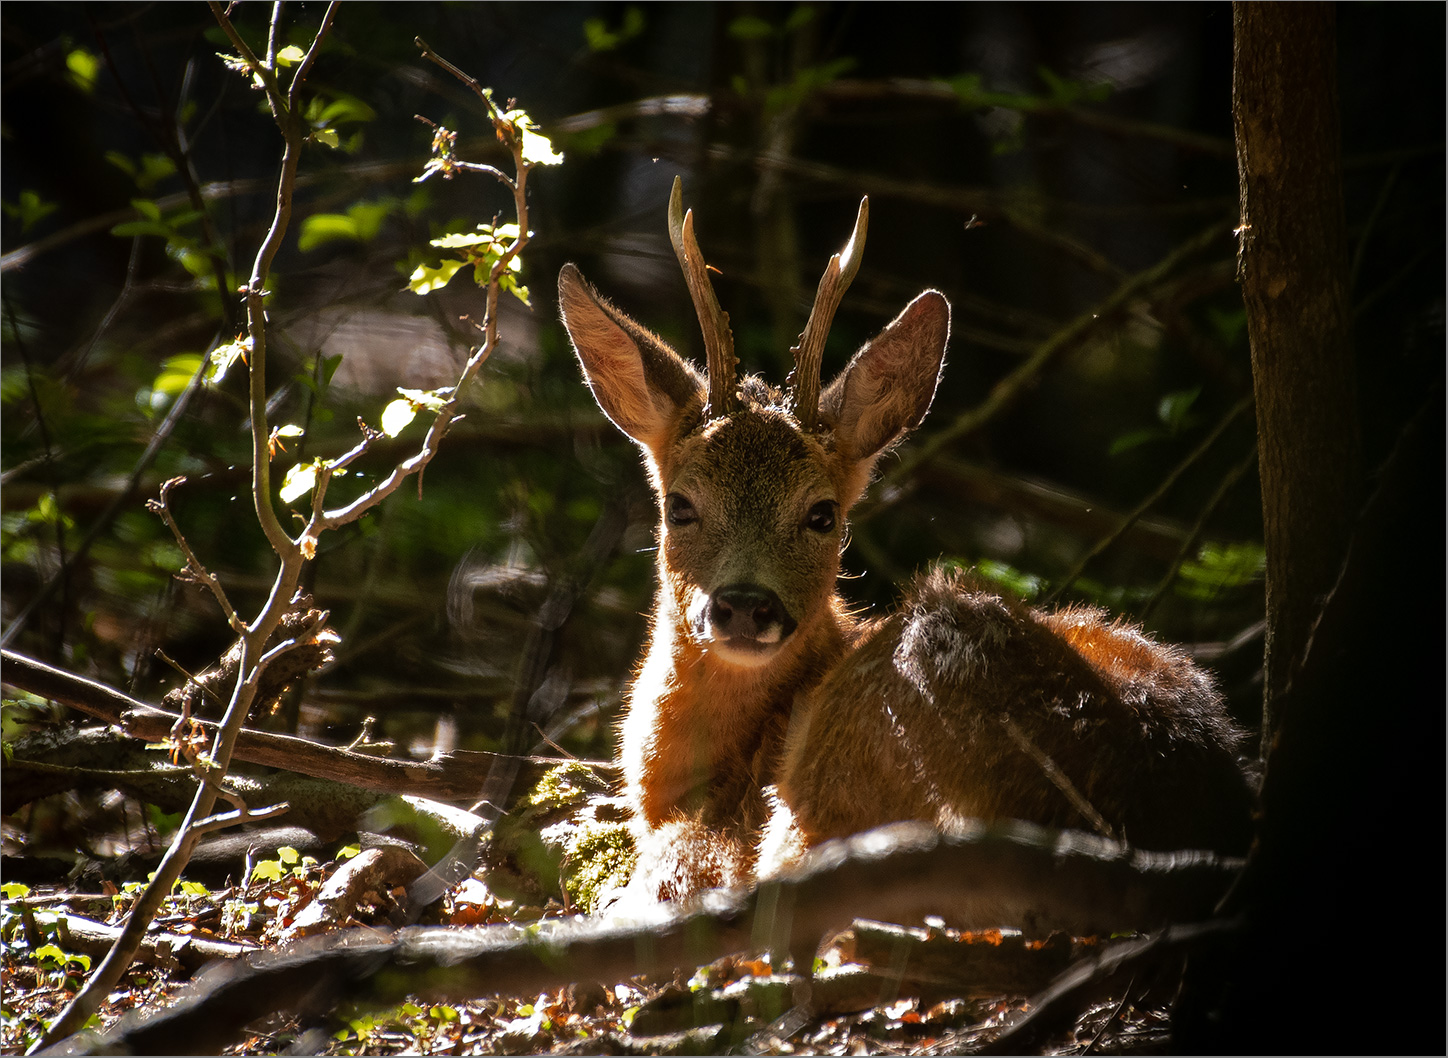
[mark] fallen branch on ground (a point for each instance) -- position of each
(457, 776)
(977, 877)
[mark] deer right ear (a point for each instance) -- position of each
(639, 382)
(887, 387)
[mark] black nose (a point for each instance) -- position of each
(749, 611)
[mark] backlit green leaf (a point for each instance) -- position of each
(426, 278)
(397, 415)
(300, 480)
(84, 67)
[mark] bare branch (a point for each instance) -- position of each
(466, 78)
(250, 666)
(1150, 501)
(264, 72)
(1195, 534)
(199, 574)
(241, 815)
(1010, 387)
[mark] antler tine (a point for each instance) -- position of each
(718, 340)
(805, 380)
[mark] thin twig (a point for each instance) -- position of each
(1129, 519)
(466, 78)
(102, 523)
(1360, 251)
(189, 676)
(63, 573)
(1058, 778)
(1009, 388)
(1190, 543)
(199, 574)
(241, 815)
(265, 73)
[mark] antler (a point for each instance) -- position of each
(718, 340)
(804, 381)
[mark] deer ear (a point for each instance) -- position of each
(639, 382)
(886, 389)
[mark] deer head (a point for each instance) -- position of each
(754, 483)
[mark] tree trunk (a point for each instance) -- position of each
(1354, 692)
(1293, 269)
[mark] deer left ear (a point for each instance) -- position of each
(639, 382)
(887, 388)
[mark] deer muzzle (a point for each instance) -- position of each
(744, 624)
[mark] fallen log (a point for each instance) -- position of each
(977, 877)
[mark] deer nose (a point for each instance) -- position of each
(749, 611)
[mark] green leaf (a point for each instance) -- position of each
(130, 228)
(426, 278)
(176, 374)
(291, 55)
(290, 430)
(51, 953)
(750, 27)
(329, 367)
(1062, 90)
(1219, 567)
(1227, 325)
(154, 169)
(397, 415)
(327, 137)
(800, 17)
(601, 38)
(30, 209)
(322, 228)
(14, 890)
(537, 148)
(345, 109)
(267, 871)
(1026, 585)
(84, 67)
(431, 399)
(223, 356)
(1174, 407)
(359, 223)
(586, 142)
(121, 162)
(463, 239)
(1134, 439)
(300, 480)
(288, 855)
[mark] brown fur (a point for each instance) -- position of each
(741, 749)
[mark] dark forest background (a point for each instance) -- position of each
(1065, 174)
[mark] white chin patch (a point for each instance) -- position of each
(746, 653)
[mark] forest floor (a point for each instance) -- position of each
(53, 935)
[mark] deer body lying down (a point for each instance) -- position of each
(766, 718)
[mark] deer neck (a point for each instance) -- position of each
(700, 727)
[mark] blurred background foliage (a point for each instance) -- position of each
(1064, 173)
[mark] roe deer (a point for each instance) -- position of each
(765, 717)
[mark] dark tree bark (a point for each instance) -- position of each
(1355, 720)
(1293, 270)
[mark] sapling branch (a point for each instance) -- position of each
(195, 571)
(252, 653)
(282, 597)
(241, 815)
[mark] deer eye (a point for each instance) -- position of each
(821, 517)
(679, 511)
